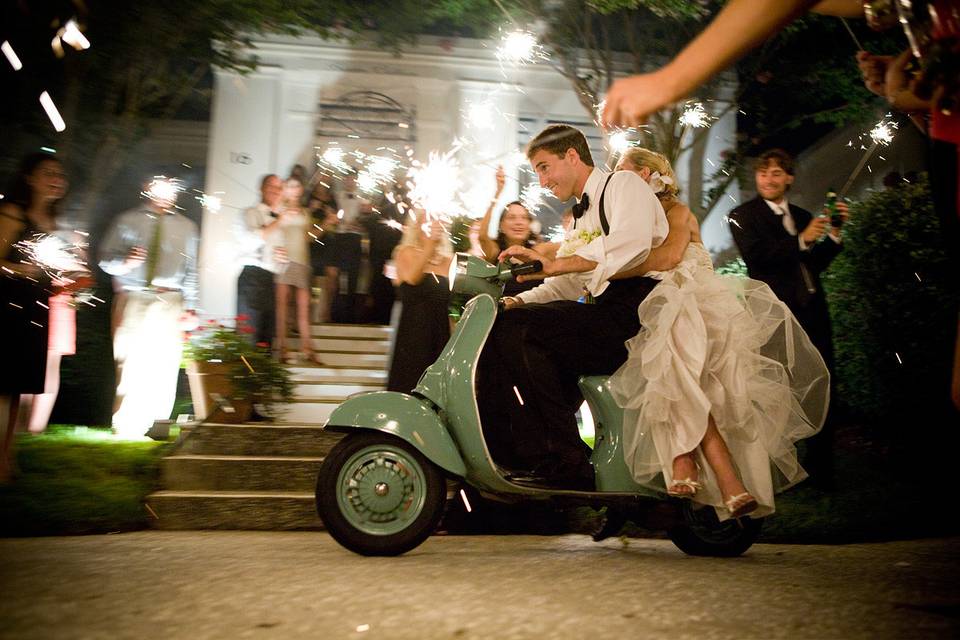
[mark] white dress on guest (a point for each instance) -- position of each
(725, 346)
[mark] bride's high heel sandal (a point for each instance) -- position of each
(741, 505)
(684, 488)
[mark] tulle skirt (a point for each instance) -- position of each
(726, 347)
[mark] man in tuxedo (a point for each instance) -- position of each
(788, 248)
(255, 291)
(546, 339)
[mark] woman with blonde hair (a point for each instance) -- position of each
(721, 381)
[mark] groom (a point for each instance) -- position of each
(546, 339)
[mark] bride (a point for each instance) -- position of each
(721, 381)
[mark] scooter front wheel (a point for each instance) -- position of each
(378, 496)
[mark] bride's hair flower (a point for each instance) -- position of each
(659, 182)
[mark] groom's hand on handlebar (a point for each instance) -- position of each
(523, 254)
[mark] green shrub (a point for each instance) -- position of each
(893, 302)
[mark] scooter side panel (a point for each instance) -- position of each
(613, 475)
(405, 417)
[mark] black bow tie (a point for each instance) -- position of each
(581, 207)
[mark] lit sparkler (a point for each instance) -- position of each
(163, 191)
(54, 254)
(480, 115)
(334, 157)
(434, 186)
(619, 142)
(695, 116)
(520, 47)
(880, 135)
(211, 203)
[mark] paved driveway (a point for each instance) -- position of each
(303, 585)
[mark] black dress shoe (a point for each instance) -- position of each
(575, 478)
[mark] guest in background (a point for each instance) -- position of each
(294, 271)
(323, 210)
(151, 252)
(514, 228)
(348, 249)
(255, 288)
(29, 210)
(422, 261)
(384, 233)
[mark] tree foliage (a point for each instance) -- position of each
(893, 297)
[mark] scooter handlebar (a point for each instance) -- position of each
(526, 268)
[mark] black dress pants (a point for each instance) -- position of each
(255, 299)
(531, 365)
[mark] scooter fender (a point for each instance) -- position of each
(404, 416)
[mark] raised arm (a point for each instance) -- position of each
(410, 259)
(487, 244)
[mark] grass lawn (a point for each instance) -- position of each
(78, 480)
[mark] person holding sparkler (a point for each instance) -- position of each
(28, 212)
(788, 248)
(151, 252)
(514, 228)
(422, 261)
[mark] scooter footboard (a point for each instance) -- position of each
(405, 416)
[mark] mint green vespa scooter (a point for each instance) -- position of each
(383, 488)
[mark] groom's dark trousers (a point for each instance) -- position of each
(530, 366)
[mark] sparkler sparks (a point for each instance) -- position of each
(334, 158)
(11, 56)
(434, 186)
(55, 118)
(53, 254)
(71, 35)
(480, 115)
(211, 203)
(519, 47)
(883, 132)
(533, 196)
(695, 116)
(163, 191)
(619, 142)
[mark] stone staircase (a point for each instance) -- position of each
(261, 475)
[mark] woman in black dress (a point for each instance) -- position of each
(26, 213)
(422, 261)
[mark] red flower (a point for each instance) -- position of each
(263, 345)
(242, 318)
(246, 329)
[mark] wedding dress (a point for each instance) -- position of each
(727, 347)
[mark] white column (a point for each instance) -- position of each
(243, 148)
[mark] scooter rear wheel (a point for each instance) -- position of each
(378, 496)
(702, 533)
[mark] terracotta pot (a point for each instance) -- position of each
(210, 381)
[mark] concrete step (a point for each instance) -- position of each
(338, 375)
(330, 345)
(253, 510)
(361, 331)
(308, 412)
(195, 472)
(259, 439)
(337, 360)
(318, 390)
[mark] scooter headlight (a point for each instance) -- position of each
(472, 276)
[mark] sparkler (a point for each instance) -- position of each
(163, 191)
(619, 142)
(519, 47)
(54, 254)
(211, 203)
(881, 135)
(695, 116)
(480, 115)
(434, 186)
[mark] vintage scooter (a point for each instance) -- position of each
(383, 488)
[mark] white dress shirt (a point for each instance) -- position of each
(253, 246)
(637, 224)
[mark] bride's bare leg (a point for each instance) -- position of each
(685, 476)
(718, 457)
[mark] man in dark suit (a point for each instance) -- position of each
(788, 248)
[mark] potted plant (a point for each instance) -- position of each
(228, 374)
